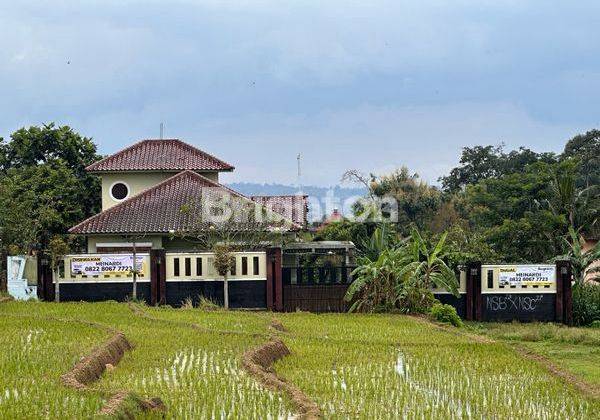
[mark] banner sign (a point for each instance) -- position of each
(106, 264)
(527, 276)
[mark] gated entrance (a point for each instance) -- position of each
(316, 276)
(310, 277)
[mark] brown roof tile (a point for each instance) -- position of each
(160, 155)
(292, 207)
(177, 204)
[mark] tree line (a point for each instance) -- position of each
(496, 205)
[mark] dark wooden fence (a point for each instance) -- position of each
(322, 289)
(315, 289)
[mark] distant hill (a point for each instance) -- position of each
(338, 193)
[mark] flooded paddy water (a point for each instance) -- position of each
(352, 366)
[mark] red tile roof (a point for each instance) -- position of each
(178, 204)
(292, 207)
(160, 155)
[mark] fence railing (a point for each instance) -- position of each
(317, 275)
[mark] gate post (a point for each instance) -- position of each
(157, 277)
(270, 280)
(274, 281)
(474, 291)
(558, 307)
(45, 287)
(564, 272)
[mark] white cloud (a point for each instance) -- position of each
(427, 139)
(350, 84)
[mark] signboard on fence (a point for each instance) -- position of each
(106, 265)
(527, 275)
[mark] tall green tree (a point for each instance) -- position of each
(416, 202)
(586, 149)
(44, 187)
(578, 204)
(479, 163)
(511, 213)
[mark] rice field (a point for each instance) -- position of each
(33, 355)
(576, 350)
(410, 371)
(353, 366)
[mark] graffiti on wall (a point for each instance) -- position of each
(514, 303)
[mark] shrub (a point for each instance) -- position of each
(416, 301)
(206, 304)
(586, 303)
(446, 314)
(399, 279)
(187, 303)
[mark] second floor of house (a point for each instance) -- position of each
(147, 163)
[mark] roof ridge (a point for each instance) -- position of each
(119, 153)
(202, 151)
(246, 198)
(195, 154)
(280, 195)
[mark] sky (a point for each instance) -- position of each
(367, 85)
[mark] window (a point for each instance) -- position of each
(176, 267)
(211, 267)
(244, 266)
(255, 266)
(199, 267)
(119, 191)
(233, 267)
(188, 267)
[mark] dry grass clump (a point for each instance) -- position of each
(127, 405)
(258, 363)
(91, 367)
(277, 325)
(204, 304)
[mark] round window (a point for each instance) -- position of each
(119, 191)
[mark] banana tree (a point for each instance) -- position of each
(374, 287)
(426, 266)
(585, 264)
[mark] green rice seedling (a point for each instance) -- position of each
(418, 372)
(353, 366)
(196, 372)
(35, 352)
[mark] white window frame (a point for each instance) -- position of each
(122, 199)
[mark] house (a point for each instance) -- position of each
(146, 187)
(162, 199)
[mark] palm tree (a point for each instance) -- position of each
(585, 264)
(577, 205)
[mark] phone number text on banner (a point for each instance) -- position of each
(527, 276)
(106, 264)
